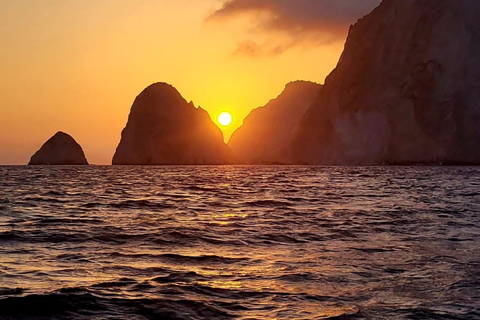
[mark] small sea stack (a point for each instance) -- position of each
(164, 129)
(61, 149)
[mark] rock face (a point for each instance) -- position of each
(406, 89)
(61, 149)
(163, 129)
(267, 132)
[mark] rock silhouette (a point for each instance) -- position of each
(406, 89)
(163, 129)
(61, 149)
(266, 134)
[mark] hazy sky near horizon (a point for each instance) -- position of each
(77, 65)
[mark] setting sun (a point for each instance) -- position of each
(225, 119)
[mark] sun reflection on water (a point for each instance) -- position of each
(235, 242)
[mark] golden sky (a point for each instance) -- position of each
(77, 65)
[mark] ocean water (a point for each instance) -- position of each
(239, 242)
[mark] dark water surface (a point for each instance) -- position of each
(239, 243)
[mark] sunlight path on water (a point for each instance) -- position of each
(233, 242)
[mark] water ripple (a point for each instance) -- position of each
(239, 242)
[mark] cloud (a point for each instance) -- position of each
(249, 48)
(288, 23)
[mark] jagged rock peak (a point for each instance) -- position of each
(299, 85)
(267, 132)
(61, 149)
(163, 128)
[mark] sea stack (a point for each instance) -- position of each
(267, 132)
(164, 129)
(406, 90)
(61, 149)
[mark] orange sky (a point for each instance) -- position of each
(77, 66)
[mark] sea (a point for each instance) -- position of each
(239, 242)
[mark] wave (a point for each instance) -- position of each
(54, 304)
(11, 236)
(81, 303)
(192, 236)
(182, 259)
(268, 203)
(374, 250)
(280, 238)
(67, 221)
(129, 204)
(54, 193)
(179, 277)
(10, 291)
(203, 189)
(45, 199)
(139, 204)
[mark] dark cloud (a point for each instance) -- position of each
(299, 22)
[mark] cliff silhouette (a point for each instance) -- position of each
(163, 129)
(406, 90)
(267, 132)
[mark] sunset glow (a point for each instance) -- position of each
(239, 159)
(71, 66)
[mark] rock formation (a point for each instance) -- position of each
(267, 132)
(406, 89)
(61, 149)
(164, 129)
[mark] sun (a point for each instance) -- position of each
(225, 119)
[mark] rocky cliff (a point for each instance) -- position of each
(267, 132)
(61, 149)
(406, 89)
(163, 128)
